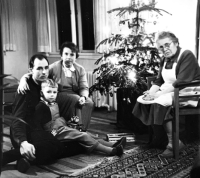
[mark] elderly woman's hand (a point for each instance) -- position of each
(146, 92)
(82, 100)
(149, 96)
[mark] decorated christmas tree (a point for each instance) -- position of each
(130, 58)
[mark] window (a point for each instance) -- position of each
(64, 21)
(75, 23)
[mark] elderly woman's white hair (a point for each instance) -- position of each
(167, 34)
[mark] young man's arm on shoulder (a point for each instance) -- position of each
(23, 85)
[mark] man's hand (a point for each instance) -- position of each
(23, 85)
(27, 150)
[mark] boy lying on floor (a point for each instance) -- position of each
(47, 117)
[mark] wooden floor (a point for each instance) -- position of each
(103, 122)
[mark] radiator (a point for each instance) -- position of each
(102, 100)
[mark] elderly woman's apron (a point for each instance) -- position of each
(154, 112)
(169, 77)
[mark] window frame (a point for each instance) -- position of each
(80, 31)
(76, 28)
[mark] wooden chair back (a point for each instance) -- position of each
(182, 111)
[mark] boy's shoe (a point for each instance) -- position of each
(23, 165)
(122, 142)
(117, 151)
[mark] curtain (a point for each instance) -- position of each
(101, 22)
(42, 28)
(46, 26)
(106, 24)
(197, 29)
(53, 26)
(7, 25)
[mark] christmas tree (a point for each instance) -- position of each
(134, 56)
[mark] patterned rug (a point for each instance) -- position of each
(135, 162)
(80, 164)
(139, 162)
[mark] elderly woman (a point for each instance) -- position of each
(178, 66)
(74, 86)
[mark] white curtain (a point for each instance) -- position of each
(42, 28)
(7, 25)
(101, 23)
(106, 24)
(53, 26)
(46, 24)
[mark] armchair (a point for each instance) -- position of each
(182, 111)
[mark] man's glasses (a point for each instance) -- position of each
(166, 45)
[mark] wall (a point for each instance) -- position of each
(182, 21)
(16, 63)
